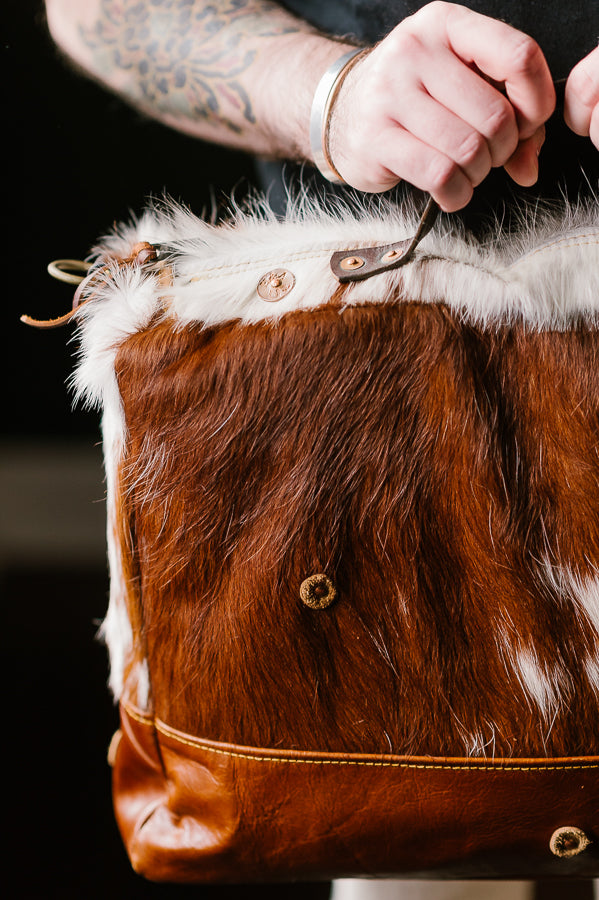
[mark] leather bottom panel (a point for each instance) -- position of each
(196, 811)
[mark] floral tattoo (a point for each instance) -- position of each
(183, 57)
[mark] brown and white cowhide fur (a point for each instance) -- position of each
(428, 439)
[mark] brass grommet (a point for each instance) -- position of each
(352, 262)
(275, 285)
(317, 592)
(568, 841)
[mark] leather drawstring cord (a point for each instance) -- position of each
(71, 271)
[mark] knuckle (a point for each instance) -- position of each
(471, 149)
(404, 43)
(500, 119)
(526, 55)
(584, 86)
(439, 7)
(430, 11)
(454, 13)
(441, 173)
(434, 8)
(372, 178)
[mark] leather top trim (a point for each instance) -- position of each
(324, 758)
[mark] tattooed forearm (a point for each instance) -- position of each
(237, 72)
(185, 58)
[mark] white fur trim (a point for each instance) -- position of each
(548, 275)
(116, 627)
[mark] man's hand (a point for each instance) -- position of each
(446, 96)
(581, 109)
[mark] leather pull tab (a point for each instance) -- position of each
(362, 263)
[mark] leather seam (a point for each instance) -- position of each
(313, 254)
(471, 767)
(381, 765)
(250, 266)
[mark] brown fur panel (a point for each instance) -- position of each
(434, 471)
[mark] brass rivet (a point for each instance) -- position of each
(352, 262)
(568, 841)
(275, 285)
(317, 592)
(389, 255)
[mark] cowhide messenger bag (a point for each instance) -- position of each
(353, 534)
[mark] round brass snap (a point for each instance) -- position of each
(389, 256)
(317, 592)
(352, 262)
(568, 841)
(275, 285)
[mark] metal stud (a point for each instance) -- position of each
(389, 256)
(317, 592)
(568, 841)
(275, 285)
(352, 262)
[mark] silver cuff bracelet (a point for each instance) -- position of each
(324, 97)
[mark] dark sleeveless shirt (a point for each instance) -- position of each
(566, 30)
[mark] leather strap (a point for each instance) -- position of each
(362, 263)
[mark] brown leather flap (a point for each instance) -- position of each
(197, 811)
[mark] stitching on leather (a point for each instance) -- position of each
(137, 716)
(317, 253)
(498, 767)
(381, 765)
(251, 265)
(227, 269)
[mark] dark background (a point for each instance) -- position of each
(77, 159)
